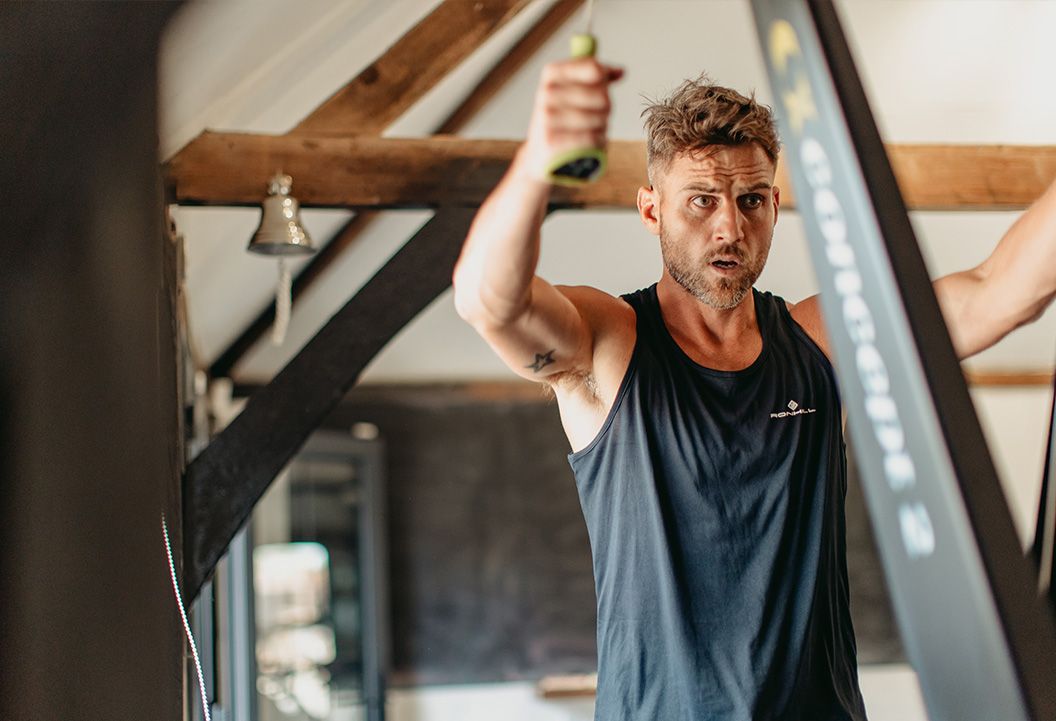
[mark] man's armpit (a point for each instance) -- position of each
(576, 381)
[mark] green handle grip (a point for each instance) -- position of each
(581, 165)
(583, 45)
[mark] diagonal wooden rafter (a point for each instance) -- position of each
(224, 482)
(496, 78)
(375, 173)
(391, 84)
(514, 60)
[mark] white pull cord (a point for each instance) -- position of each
(183, 617)
(283, 304)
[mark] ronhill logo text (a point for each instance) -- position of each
(793, 410)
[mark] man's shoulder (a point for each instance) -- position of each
(600, 309)
(807, 314)
(591, 294)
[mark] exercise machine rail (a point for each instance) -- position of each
(982, 639)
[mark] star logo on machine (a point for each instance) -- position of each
(794, 409)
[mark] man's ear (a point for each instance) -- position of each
(777, 202)
(649, 209)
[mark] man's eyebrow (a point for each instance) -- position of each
(703, 188)
(761, 185)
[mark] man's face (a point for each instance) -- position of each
(714, 211)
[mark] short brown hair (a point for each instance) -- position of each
(699, 113)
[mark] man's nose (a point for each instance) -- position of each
(729, 223)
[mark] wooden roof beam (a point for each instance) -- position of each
(379, 173)
(390, 85)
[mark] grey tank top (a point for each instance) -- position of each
(714, 505)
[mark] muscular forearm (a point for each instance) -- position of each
(494, 274)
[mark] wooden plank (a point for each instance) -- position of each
(377, 173)
(347, 235)
(353, 172)
(954, 177)
(563, 687)
(407, 70)
(1009, 378)
(225, 481)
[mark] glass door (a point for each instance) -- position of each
(319, 583)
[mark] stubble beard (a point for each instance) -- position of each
(711, 289)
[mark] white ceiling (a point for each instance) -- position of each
(964, 71)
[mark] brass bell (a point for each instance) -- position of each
(280, 231)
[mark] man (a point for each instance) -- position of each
(716, 524)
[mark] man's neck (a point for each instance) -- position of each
(723, 339)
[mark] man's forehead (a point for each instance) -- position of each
(723, 163)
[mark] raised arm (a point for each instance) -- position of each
(542, 332)
(1010, 288)
(982, 305)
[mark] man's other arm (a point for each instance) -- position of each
(982, 305)
(1012, 287)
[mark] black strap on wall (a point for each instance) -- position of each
(1044, 549)
(982, 640)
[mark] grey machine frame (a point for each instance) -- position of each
(977, 625)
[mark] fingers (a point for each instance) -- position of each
(565, 119)
(575, 107)
(573, 95)
(571, 110)
(578, 97)
(582, 71)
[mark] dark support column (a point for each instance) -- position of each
(88, 398)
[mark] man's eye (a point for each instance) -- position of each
(752, 201)
(703, 201)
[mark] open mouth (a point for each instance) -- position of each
(724, 264)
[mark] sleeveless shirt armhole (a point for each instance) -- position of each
(625, 384)
(814, 348)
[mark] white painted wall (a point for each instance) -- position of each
(1016, 424)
